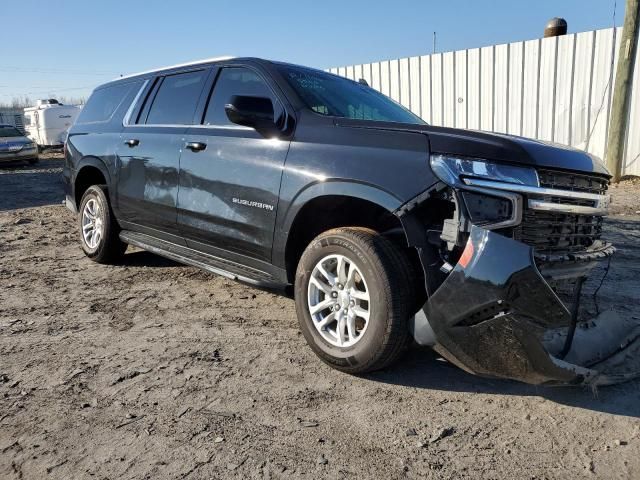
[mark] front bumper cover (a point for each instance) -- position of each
(496, 316)
(23, 154)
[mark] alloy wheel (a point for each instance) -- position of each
(92, 223)
(339, 301)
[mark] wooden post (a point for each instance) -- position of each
(622, 90)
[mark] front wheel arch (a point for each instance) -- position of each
(326, 212)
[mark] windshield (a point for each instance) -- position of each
(8, 131)
(335, 96)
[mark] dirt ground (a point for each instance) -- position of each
(150, 369)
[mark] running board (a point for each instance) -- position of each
(210, 263)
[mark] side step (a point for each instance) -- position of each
(210, 263)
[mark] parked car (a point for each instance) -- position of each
(385, 229)
(48, 122)
(15, 146)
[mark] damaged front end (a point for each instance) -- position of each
(505, 251)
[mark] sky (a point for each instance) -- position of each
(67, 48)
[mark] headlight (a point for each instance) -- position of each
(490, 208)
(453, 171)
(30, 146)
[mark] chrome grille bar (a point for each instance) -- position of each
(599, 207)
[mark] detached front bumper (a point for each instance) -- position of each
(495, 315)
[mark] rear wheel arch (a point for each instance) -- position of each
(91, 171)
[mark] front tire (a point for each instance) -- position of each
(353, 299)
(98, 227)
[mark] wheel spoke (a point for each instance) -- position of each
(330, 278)
(359, 295)
(320, 284)
(351, 277)
(361, 312)
(321, 306)
(341, 271)
(326, 320)
(351, 327)
(87, 227)
(340, 330)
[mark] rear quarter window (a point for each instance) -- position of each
(177, 99)
(104, 102)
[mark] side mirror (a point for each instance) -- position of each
(255, 112)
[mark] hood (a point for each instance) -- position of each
(495, 146)
(513, 149)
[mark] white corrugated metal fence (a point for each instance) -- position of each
(557, 89)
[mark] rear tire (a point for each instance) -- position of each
(99, 230)
(373, 332)
(33, 161)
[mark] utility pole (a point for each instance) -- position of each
(622, 89)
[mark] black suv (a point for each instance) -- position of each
(385, 229)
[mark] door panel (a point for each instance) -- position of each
(149, 153)
(230, 178)
(147, 184)
(228, 192)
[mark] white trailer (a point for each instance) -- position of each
(48, 122)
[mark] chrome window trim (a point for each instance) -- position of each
(179, 65)
(127, 116)
(190, 125)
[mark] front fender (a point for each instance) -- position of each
(344, 188)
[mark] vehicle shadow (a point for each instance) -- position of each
(422, 368)
(142, 258)
(25, 186)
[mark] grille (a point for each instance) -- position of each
(553, 232)
(573, 182)
(559, 232)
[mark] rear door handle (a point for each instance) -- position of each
(132, 142)
(196, 146)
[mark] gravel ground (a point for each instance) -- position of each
(150, 369)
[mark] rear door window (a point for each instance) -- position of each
(177, 98)
(103, 103)
(237, 81)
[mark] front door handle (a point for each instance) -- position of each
(196, 146)
(132, 142)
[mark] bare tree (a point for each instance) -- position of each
(20, 102)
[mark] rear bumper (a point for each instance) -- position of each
(495, 315)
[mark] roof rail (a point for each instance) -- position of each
(186, 64)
